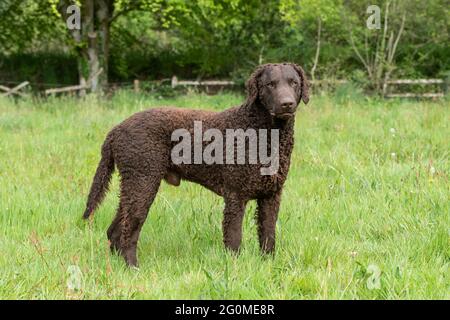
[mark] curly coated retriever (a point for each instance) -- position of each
(140, 148)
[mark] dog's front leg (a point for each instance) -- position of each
(232, 221)
(267, 215)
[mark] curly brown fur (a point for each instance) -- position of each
(140, 148)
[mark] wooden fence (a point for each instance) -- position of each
(15, 90)
(175, 82)
(441, 82)
(79, 87)
(333, 82)
(444, 84)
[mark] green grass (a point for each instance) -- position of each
(368, 190)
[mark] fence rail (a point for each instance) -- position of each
(175, 82)
(415, 95)
(15, 90)
(443, 82)
(77, 87)
(415, 81)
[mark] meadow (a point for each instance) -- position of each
(365, 210)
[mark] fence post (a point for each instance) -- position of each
(174, 81)
(446, 84)
(136, 86)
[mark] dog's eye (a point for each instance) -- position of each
(271, 85)
(293, 83)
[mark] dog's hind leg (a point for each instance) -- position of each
(136, 196)
(113, 232)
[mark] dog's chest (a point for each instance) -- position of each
(261, 179)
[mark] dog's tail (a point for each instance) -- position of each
(101, 179)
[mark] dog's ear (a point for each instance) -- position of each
(304, 95)
(252, 86)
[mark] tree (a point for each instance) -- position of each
(378, 49)
(92, 40)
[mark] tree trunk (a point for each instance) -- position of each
(103, 14)
(316, 57)
(91, 48)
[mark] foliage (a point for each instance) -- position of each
(154, 39)
(28, 25)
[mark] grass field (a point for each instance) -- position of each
(365, 211)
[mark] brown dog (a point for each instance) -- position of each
(141, 148)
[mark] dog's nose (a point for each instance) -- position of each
(287, 105)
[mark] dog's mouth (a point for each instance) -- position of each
(284, 115)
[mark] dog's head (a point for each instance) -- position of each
(278, 88)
